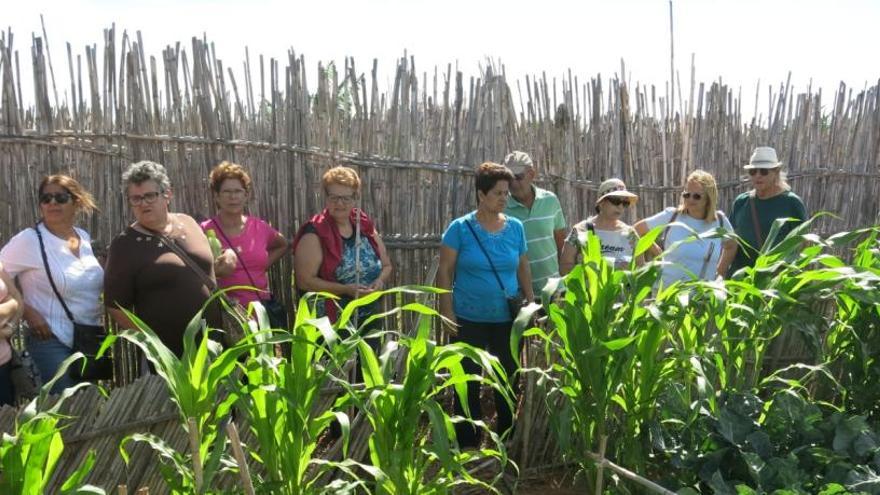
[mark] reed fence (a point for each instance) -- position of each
(414, 144)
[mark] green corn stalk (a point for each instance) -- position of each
(31, 453)
(411, 459)
(198, 384)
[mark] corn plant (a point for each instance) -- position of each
(197, 383)
(31, 453)
(606, 341)
(410, 457)
(280, 401)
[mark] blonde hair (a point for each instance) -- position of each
(342, 176)
(85, 202)
(781, 181)
(710, 190)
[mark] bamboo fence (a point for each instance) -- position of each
(415, 146)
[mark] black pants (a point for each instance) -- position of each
(495, 339)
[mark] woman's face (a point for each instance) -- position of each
(695, 199)
(495, 199)
(232, 196)
(613, 207)
(57, 205)
(148, 203)
(339, 200)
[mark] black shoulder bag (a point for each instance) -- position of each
(514, 303)
(87, 339)
(274, 309)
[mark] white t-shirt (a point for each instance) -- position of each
(617, 245)
(690, 255)
(79, 280)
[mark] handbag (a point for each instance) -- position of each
(234, 314)
(276, 311)
(514, 303)
(24, 375)
(87, 339)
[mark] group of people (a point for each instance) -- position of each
(163, 269)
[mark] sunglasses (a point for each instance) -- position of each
(60, 198)
(689, 195)
(763, 171)
(618, 201)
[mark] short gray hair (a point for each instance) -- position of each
(142, 171)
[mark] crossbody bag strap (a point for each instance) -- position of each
(755, 224)
(49, 273)
(492, 265)
(206, 279)
(229, 243)
(667, 229)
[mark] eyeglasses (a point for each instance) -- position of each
(618, 201)
(146, 198)
(764, 171)
(689, 195)
(231, 193)
(344, 199)
(60, 198)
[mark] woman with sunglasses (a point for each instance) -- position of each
(57, 243)
(617, 238)
(755, 211)
(688, 257)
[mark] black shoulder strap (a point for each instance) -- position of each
(229, 243)
(49, 273)
(666, 230)
(495, 272)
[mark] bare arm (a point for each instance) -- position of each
(524, 277)
(387, 267)
(728, 253)
(445, 277)
(307, 261)
(11, 307)
(122, 321)
(277, 248)
(641, 228)
(559, 237)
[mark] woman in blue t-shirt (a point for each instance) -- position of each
(483, 261)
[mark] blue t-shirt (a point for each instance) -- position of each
(476, 294)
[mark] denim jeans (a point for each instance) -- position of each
(48, 356)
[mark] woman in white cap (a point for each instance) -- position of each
(755, 211)
(618, 239)
(689, 257)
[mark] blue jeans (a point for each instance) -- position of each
(48, 356)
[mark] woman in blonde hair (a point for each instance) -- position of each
(250, 244)
(688, 257)
(57, 271)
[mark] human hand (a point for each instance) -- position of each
(377, 284)
(225, 263)
(449, 324)
(357, 290)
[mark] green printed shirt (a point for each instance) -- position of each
(540, 222)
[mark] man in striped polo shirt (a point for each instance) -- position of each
(541, 214)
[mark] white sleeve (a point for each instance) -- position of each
(21, 253)
(725, 222)
(661, 218)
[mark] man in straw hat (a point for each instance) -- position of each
(541, 214)
(755, 211)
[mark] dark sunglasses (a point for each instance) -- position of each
(689, 195)
(618, 201)
(60, 198)
(764, 171)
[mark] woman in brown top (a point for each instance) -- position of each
(147, 277)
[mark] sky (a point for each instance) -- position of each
(740, 42)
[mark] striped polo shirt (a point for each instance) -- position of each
(540, 222)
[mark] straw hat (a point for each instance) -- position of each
(763, 157)
(615, 187)
(518, 162)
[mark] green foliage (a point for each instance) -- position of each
(31, 453)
